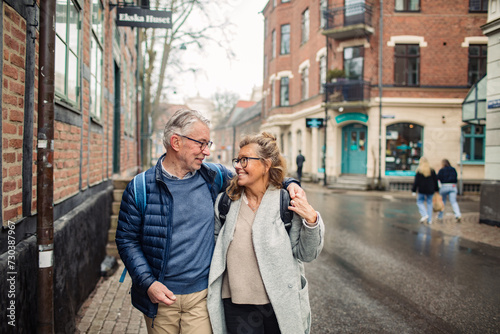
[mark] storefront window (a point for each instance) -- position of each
(404, 145)
(473, 147)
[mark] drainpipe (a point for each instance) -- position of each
(45, 169)
(380, 60)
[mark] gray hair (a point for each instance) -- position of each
(181, 122)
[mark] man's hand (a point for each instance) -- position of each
(295, 190)
(158, 293)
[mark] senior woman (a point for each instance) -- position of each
(256, 280)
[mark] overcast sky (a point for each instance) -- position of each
(217, 72)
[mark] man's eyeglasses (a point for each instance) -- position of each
(243, 161)
(203, 144)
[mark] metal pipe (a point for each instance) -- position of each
(45, 169)
(380, 60)
(325, 182)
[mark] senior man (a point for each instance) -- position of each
(167, 247)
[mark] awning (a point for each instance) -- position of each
(474, 105)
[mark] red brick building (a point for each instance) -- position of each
(432, 53)
(95, 137)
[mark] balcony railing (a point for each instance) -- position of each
(348, 21)
(345, 90)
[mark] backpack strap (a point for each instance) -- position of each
(140, 202)
(219, 182)
(140, 192)
(224, 205)
(285, 213)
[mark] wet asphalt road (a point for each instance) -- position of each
(382, 272)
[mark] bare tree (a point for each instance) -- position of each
(224, 102)
(195, 23)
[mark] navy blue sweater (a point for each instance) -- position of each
(447, 175)
(192, 237)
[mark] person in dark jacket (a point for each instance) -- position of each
(167, 246)
(447, 175)
(300, 163)
(426, 184)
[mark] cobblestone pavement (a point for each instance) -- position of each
(109, 310)
(469, 228)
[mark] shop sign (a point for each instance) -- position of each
(314, 122)
(399, 173)
(494, 104)
(352, 116)
(143, 18)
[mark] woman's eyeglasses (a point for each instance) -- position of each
(243, 161)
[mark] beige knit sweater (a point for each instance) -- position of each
(242, 280)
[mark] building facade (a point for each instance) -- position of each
(244, 118)
(95, 137)
(323, 59)
(489, 209)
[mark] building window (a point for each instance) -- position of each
(285, 39)
(273, 93)
(304, 83)
(322, 73)
(284, 92)
(305, 26)
(265, 27)
(323, 6)
(129, 104)
(285, 1)
(473, 144)
(407, 65)
(96, 59)
(403, 149)
(95, 79)
(67, 51)
(477, 63)
(274, 3)
(265, 66)
(353, 62)
(407, 5)
(273, 44)
(478, 6)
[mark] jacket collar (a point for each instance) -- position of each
(205, 171)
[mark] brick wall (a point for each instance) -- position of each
(83, 151)
(66, 160)
(14, 59)
(443, 62)
(291, 13)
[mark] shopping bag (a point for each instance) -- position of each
(437, 203)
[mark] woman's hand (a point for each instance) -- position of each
(301, 206)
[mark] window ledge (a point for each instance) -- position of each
(472, 163)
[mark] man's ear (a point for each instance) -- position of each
(175, 143)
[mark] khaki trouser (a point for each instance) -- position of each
(188, 315)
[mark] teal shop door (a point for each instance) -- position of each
(354, 149)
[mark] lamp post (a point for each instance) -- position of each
(380, 59)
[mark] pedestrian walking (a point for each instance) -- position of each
(257, 282)
(447, 176)
(167, 242)
(426, 184)
(300, 163)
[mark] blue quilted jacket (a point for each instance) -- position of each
(143, 244)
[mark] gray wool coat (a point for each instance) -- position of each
(279, 257)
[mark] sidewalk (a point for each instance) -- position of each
(108, 308)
